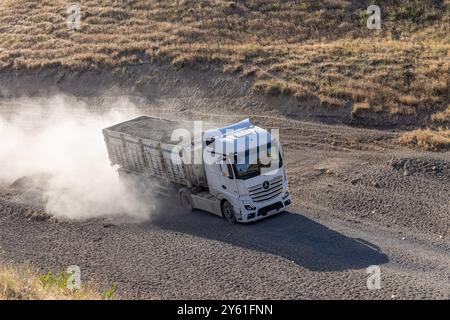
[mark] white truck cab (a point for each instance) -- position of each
(248, 172)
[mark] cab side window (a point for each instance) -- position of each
(226, 170)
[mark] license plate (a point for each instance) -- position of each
(272, 211)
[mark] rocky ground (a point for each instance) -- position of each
(359, 200)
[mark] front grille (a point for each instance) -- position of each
(259, 194)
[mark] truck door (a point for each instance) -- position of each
(220, 178)
(227, 181)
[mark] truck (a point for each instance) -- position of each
(236, 171)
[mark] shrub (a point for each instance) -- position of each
(427, 139)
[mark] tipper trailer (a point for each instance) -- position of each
(236, 171)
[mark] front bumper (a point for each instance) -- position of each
(265, 210)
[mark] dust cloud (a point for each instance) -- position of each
(60, 138)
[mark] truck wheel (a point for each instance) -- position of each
(186, 203)
(228, 212)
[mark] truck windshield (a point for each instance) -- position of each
(245, 169)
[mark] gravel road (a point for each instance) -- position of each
(359, 200)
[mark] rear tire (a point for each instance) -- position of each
(228, 212)
(186, 201)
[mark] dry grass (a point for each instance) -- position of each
(304, 48)
(442, 117)
(427, 139)
(24, 283)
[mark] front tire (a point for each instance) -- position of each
(228, 212)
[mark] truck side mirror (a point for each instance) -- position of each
(230, 171)
(209, 141)
(224, 170)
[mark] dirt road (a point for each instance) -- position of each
(359, 200)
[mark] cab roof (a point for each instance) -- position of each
(237, 138)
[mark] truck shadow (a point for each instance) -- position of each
(289, 235)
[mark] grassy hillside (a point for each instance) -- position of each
(319, 51)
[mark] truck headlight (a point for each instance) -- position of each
(285, 195)
(248, 205)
